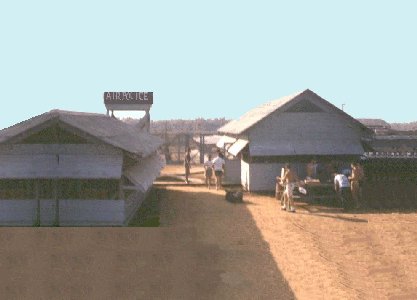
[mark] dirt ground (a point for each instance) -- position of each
(208, 248)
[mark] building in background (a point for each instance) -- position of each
(71, 168)
(296, 129)
(379, 126)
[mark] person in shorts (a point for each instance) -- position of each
(208, 171)
(218, 166)
(355, 178)
(290, 178)
(342, 188)
(187, 164)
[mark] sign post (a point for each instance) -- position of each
(141, 101)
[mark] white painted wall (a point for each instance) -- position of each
(47, 211)
(18, 212)
(71, 212)
(263, 176)
(91, 212)
(245, 175)
(303, 134)
(232, 171)
(60, 161)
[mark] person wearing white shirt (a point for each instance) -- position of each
(342, 188)
(208, 171)
(218, 166)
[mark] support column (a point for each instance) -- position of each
(147, 121)
(121, 192)
(38, 201)
(179, 148)
(55, 196)
(202, 148)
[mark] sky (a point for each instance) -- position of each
(207, 59)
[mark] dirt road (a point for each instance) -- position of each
(208, 248)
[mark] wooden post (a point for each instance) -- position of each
(121, 192)
(202, 148)
(179, 147)
(38, 208)
(55, 187)
(147, 121)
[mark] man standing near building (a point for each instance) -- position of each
(354, 183)
(218, 166)
(289, 179)
(187, 164)
(342, 188)
(208, 171)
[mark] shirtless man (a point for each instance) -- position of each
(354, 183)
(289, 179)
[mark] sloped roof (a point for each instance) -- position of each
(257, 114)
(209, 139)
(143, 173)
(106, 129)
(374, 123)
(237, 147)
(308, 147)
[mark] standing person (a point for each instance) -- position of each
(311, 169)
(290, 178)
(342, 188)
(208, 171)
(354, 184)
(361, 177)
(218, 166)
(187, 164)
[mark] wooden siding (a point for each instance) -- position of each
(60, 161)
(18, 212)
(91, 212)
(232, 171)
(303, 133)
(263, 176)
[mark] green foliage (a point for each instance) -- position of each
(148, 213)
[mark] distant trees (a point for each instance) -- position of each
(196, 125)
(412, 126)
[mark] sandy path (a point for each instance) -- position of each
(326, 254)
(200, 253)
(211, 249)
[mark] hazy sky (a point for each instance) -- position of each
(208, 59)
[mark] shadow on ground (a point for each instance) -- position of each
(206, 248)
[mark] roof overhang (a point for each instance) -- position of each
(237, 147)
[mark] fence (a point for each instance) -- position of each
(391, 180)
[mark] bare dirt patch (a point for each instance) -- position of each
(208, 248)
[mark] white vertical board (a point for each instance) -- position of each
(18, 212)
(91, 212)
(47, 212)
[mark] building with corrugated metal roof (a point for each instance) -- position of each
(69, 168)
(297, 129)
(379, 126)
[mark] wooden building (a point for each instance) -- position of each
(69, 168)
(379, 126)
(394, 144)
(296, 129)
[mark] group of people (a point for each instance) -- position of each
(347, 184)
(217, 165)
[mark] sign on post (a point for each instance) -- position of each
(128, 100)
